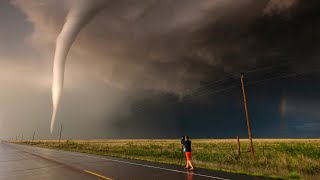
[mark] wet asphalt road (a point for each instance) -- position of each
(31, 163)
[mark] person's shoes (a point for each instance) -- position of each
(186, 167)
(191, 169)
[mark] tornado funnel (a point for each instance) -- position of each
(76, 20)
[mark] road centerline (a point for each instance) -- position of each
(98, 175)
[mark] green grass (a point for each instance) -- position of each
(293, 175)
(278, 158)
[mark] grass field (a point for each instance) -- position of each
(277, 158)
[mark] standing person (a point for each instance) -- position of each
(187, 149)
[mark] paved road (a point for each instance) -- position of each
(30, 163)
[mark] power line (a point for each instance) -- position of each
(281, 77)
(256, 82)
(246, 72)
(279, 65)
(249, 83)
(255, 70)
(200, 95)
(211, 92)
(259, 69)
(221, 80)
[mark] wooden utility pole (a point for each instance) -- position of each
(238, 145)
(247, 115)
(33, 136)
(60, 134)
(22, 137)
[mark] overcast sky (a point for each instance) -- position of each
(133, 64)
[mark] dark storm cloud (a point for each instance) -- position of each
(171, 46)
(131, 49)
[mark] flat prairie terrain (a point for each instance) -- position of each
(276, 158)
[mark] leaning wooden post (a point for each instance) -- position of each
(247, 115)
(238, 145)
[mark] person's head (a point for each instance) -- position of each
(186, 137)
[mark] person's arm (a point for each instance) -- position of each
(182, 140)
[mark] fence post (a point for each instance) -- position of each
(238, 145)
(60, 134)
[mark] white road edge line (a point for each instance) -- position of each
(137, 164)
(132, 163)
(155, 167)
